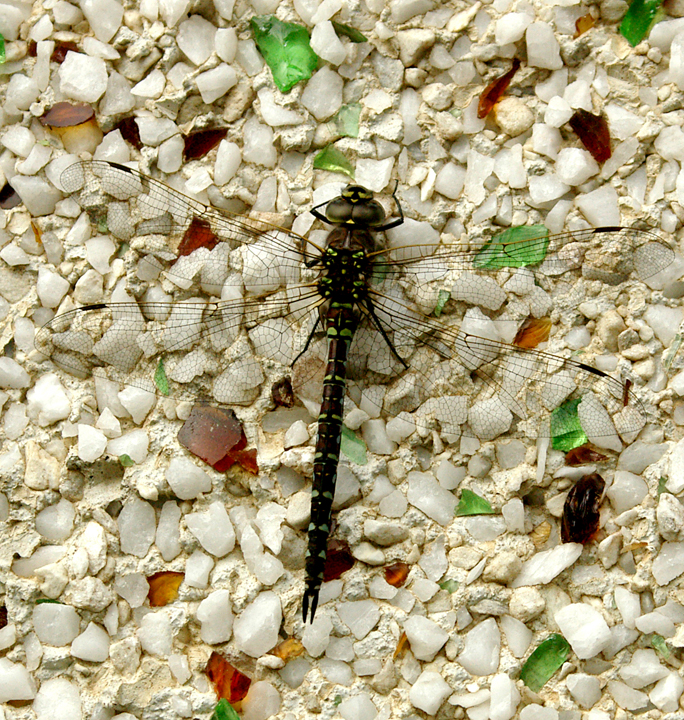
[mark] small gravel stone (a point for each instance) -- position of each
(670, 517)
(502, 568)
(526, 603)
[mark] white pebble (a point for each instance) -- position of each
(136, 523)
(58, 699)
(216, 617)
(51, 288)
(56, 522)
(585, 689)
(16, 682)
(215, 83)
(91, 443)
(196, 38)
(92, 644)
(584, 628)
(322, 96)
(480, 655)
(256, 628)
(542, 567)
(12, 375)
(429, 691)
(55, 624)
(186, 479)
(197, 569)
(213, 529)
(82, 77)
(156, 633)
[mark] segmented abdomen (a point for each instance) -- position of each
(341, 323)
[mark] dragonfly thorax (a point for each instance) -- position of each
(355, 206)
(345, 278)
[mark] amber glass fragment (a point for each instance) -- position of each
(198, 144)
(402, 646)
(541, 534)
(396, 573)
(337, 560)
(533, 332)
(164, 587)
(593, 131)
(583, 24)
(282, 393)
(228, 682)
(9, 197)
(493, 92)
(130, 131)
(198, 235)
(288, 649)
(583, 455)
(581, 510)
(216, 436)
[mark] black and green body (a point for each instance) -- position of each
(344, 285)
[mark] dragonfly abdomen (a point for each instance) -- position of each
(341, 323)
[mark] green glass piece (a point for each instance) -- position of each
(515, 247)
(566, 430)
(126, 460)
(442, 298)
(344, 30)
(472, 504)
(662, 485)
(286, 50)
(102, 225)
(160, 379)
(353, 446)
(43, 601)
(347, 120)
(224, 711)
(2, 49)
(449, 585)
(660, 646)
(639, 20)
(544, 661)
(332, 159)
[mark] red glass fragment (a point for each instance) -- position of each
(164, 587)
(493, 92)
(130, 131)
(3, 617)
(62, 47)
(583, 455)
(533, 332)
(9, 197)
(593, 131)
(216, 436)
(584, 23)
(396, 573)
(198, 144)
(228, 682)
(581, 510)
(337, 560)
(282, 393)
(198, 235)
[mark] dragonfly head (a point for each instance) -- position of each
(355, 206)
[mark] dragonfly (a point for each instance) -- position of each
(220, 302)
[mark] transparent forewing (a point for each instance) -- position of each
(203, 347)
(611, 255)
(157, 219)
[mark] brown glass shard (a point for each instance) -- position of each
(583, 24)
(9, 197)
(580, 519)
(533, 332)
(227, 680)
(493, 92)
(130, 131)
(337, 560)
(583, 455)
(198, 144)
(282, 393)
(216, 436)
(593, 131)
(3, 617)
(75, 125)
(198, 235)
(625, 393)
(396, 573)
(164, 587)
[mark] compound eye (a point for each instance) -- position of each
(339, 210)
(369, 213)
